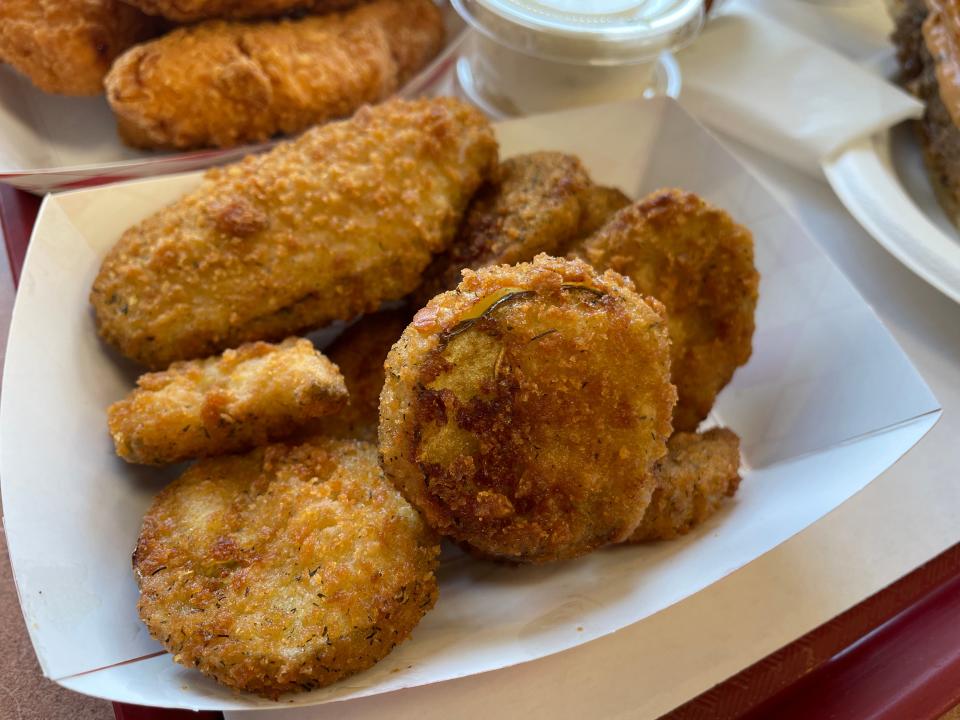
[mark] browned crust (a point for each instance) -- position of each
(531, 435)
(194, 10)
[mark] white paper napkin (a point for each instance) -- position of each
(779, 91)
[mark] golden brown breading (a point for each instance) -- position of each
(193, 10)
(698, 262)
(319, 229)
(285, 569)
(67, 46)
(359, 353)
(522, 413)
(533, 206)
(699, 472)
(227, 83)
(247, 397)
(598, 204)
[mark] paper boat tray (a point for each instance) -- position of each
(827, 403)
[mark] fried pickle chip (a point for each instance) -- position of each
(700, 471)
(250, 396)
(598, 204)
(698, 262)
(533, 206)
(285, 569)
(360, 353)
(324, 227)
(522, 413)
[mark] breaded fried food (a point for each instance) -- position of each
(285, 569)
(522, 413)
(193, 10)
(319, 229)
(700, 471)
(532, 206)
(697, 261)
(67, 46)
(247, 397)
(598, 204)
(227, 83)
(360, 353)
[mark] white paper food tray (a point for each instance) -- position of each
(50, 143)
(827, 403)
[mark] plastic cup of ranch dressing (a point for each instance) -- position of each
(530, 56)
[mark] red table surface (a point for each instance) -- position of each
(895, 655)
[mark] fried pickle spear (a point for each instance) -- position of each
(193, 10)
(67, 46)
(247, 397)
(697, 261)
(700, 471)
(319, 229)
(360, 353)
(285, 569)
(522, 414)
(532, 206)
(228, 83)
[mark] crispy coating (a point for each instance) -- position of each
(698, 262)
(225, 83)
(319, 229)
(360, 353)
(285, 569)
(598, 204)
(67, 46)
(193, 10)
(247, 397)
(532, 206)
(522, 413)
(699, 472)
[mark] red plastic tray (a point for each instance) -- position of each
(895, 655)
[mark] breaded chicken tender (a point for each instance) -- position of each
(193, 10)
(699, 472)
(285, 569)
(598, 204)
(533, 206)
(228, 83)
(67, 46)
(247, 397)
(697, 261)
(522, 414)
(318, 229)
(360, 353)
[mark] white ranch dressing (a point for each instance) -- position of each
(528, 56)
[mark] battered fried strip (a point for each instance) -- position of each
(533, 206)
(359, 353)
(193, 10)
(227, 83)
(244, 398)
(319, 229)
(285, 569)
(697, 261)
(67, 46)
(698, 474)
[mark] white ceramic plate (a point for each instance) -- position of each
(50, 142)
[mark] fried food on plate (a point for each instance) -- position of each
(359, 353)
(250, 396)
(228, 83)
(532, 206)
(697, 261)
(522, 413)
(598, 204)
(67, 46)
(193, 10)
(700, 471)
(284, 569)
(319, 229)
